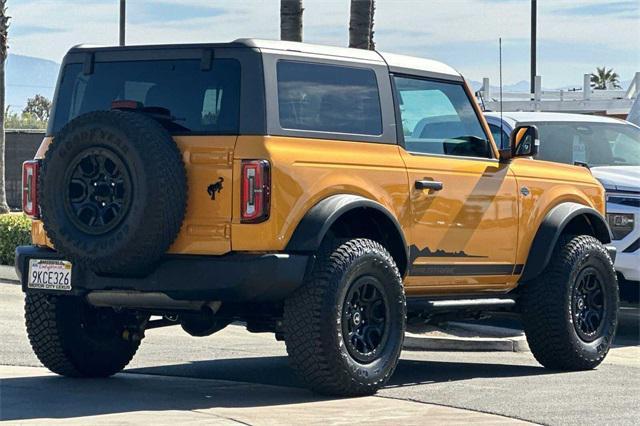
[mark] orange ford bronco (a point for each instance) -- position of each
(323, 194)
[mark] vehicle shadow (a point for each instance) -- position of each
(232, 383)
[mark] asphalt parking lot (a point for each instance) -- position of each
(235, 376)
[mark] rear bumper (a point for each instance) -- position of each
(233, 277)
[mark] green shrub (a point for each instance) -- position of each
(15, 230)
(23, 121)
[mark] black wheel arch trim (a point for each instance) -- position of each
(552, 226)
(314, 226)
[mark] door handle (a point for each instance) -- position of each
(429, 184)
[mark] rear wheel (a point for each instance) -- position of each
(570, 311)
(72, 338)
(344, 328)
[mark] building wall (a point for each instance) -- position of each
(20, 146)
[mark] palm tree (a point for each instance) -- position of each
(291, 20)
(4, 27)
(603, 79)
(361, 24)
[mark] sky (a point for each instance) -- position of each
(574, 36)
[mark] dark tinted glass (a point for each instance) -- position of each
(197, 101)
(596, 144)
(328, 98)
(439, 118)
(500, 136)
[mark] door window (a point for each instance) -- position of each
(439, 118)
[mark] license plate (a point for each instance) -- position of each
(49, 274)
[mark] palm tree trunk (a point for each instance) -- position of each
(291, 20)
(372, 44)
(361, 24)
(4, 25)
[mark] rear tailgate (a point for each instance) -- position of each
(207, 225)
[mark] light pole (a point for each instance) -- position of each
(534, 19)
(123, 11)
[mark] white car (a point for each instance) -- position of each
(634, 113)
(611, 149)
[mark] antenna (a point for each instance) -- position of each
(501, 122)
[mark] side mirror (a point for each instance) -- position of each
(524, 142)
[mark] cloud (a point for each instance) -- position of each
(630, 7)
(157, 12)
(26, 30)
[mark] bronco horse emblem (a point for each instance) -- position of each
(214, 188)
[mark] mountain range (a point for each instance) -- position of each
(27, 76)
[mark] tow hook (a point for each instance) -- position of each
(135, 332)
(132, 335)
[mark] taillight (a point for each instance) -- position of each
(256, 191)
(30, 188)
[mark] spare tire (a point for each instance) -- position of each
(113, 191)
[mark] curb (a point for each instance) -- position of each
(418, 342)
(8, 273)
(499, 340)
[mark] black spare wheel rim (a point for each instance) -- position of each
(589, 305)
(98, 190)
(365, 319)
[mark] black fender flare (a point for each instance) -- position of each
(314, 226)
(552, 227)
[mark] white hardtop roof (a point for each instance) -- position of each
(532, 117)
(421, 64)
(313, 49)
(392, 59)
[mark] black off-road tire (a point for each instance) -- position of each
(550, 301)
(67, 343)
(153, 192)
(313, 320)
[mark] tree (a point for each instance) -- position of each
(603, 79)
(38, 107)
(361, 24)
(4, 30)
(291, 20)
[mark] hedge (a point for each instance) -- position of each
(15, 230)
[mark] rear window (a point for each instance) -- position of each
(198, 101)
(328, 98)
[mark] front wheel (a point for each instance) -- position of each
(72, 338)
(570, 311)
(344, 327)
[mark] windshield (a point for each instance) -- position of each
(192, 100)
(594, 144)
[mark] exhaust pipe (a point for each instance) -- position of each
(135, 299)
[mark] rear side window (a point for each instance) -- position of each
(196, 100)
(328, 98)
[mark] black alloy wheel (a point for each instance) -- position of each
(364, 319)
(98, 191)
(588, 305)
